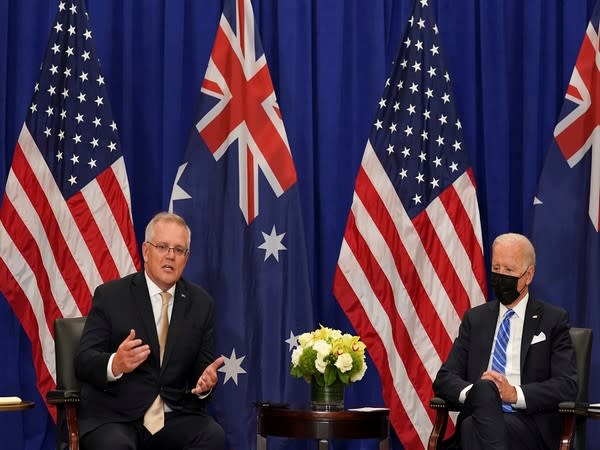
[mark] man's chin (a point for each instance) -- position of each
(167, 282)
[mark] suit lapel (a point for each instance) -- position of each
(141, 297)
(531, 324)
(489, 325)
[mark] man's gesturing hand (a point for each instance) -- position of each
(209, 377)
(130, 354)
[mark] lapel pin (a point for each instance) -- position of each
(534, 316)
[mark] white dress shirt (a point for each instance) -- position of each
(156, 300)
(513, 351)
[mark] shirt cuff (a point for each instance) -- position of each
(109, 374)
(463, 394)
(203, 396)
(520, 403)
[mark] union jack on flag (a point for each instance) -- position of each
(253, 264)
(245, 109)
(579, 129)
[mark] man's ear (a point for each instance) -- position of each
(530, 274)
(144, 251)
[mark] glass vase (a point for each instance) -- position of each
(327, 398)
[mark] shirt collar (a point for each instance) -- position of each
(153, 289)
(519, 309)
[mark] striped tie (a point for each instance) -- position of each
(499, 354)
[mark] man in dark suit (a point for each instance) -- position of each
(511, 373)
(137, 393)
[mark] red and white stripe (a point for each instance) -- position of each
(405, 284)
(53, 254)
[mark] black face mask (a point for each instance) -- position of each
(505, 287)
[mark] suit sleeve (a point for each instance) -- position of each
(94, 347)
(547, 384)
(205, 355)
(451, 379)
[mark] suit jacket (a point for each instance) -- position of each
(548, 370)
(119, 306)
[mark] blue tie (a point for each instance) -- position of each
(499, 354)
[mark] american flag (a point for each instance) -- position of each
(411, 261)
(251, 259)
(65, 220)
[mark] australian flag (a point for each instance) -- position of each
(237, 188)
(565, 227)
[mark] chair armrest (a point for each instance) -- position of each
(60, 397)
(577, 408)
(567, 411)
(439, 426)
(438, 403)
(566, 407)
(69, 400)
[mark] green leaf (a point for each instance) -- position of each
(330, 375)
(318, 378)
(345, 377)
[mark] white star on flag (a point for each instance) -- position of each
(272, 244)
(232, 367)
(292, 341)
(178, 193)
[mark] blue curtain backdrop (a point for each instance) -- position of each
(510, 62)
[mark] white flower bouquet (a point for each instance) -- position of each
(327, 356)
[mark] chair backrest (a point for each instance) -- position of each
(67, 332)
(582, 344)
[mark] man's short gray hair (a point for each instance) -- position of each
(166, 217)
(521, 240)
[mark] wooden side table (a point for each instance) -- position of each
(322, 425)
(17, 406)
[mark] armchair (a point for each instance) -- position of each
(573, 425)
(65, 397)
